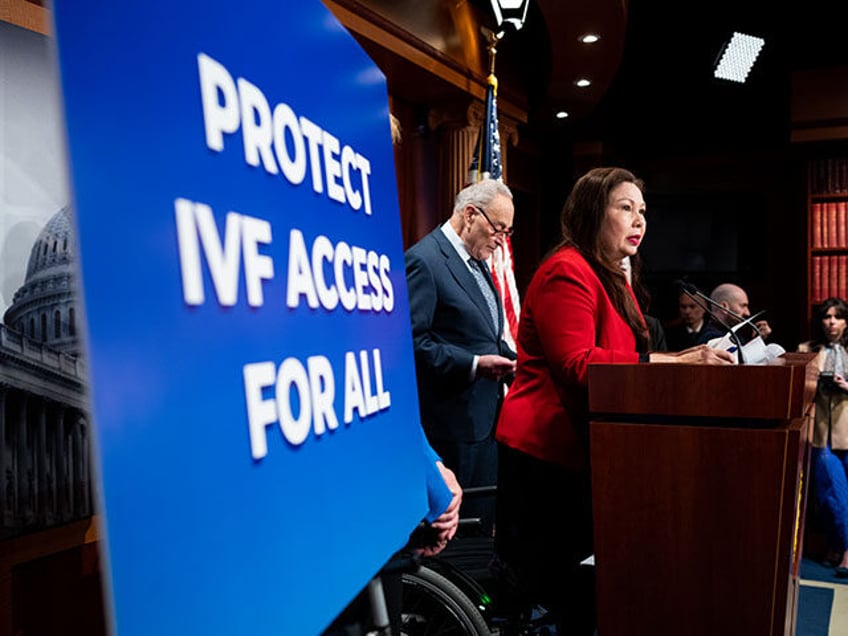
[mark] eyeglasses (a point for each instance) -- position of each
(498, 232)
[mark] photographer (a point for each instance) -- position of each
(830, 435)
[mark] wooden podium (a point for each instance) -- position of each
(699, 482)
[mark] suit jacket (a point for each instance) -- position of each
(567, 322)
(679, 338)
(451, 323)
(655, 328)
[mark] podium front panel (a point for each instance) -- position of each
(698, 506)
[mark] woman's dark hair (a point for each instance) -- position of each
(819, 338)
(582, 218)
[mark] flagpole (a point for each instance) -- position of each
(486, 163)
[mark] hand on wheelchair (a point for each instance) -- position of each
(430, 539)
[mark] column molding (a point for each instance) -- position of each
(457, 126)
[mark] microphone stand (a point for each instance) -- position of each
(689, 289)
(730, 330)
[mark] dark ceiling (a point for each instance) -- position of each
(664, 98)
(652, 70)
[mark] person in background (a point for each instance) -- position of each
(693, 328)
(457, 319)
(579, 309)
(829, 457)
(733, 298)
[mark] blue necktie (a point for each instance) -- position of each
(488, 292)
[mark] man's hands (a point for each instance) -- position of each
(763, 327)
(494, 367)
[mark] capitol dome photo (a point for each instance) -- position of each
(44, 424)
(44, 308)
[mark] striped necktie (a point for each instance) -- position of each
(834, 362)
(488, 292)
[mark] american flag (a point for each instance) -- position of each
(486, 164)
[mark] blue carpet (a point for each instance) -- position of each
(814, 607)
(822, 601)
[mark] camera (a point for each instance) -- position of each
(827, 381)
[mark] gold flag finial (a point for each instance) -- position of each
(492, 38)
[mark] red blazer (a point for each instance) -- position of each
(567, 322)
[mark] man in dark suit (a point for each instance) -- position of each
(457, 325)
(694, 328)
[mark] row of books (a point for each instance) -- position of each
(829, 176)
(830, 277)
(829, 224)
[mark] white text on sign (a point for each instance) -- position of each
(230, 104)
(359, 278)
(313, 385)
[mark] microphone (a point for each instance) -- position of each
(749, 321)
(696, 295)
(691, 290)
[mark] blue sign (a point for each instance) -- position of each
(253, 390)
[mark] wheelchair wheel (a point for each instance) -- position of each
(433, 606)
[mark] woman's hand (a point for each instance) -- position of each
(700, 354)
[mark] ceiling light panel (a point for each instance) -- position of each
(737, 57)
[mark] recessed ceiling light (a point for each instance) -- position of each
(590, 38)
(583, 82)
(561, 114)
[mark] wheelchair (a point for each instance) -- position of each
(465, 591)
(460, 592)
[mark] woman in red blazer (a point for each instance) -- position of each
(579, 309)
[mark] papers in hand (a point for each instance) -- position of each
(753, 352)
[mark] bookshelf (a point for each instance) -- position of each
(827, 241)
